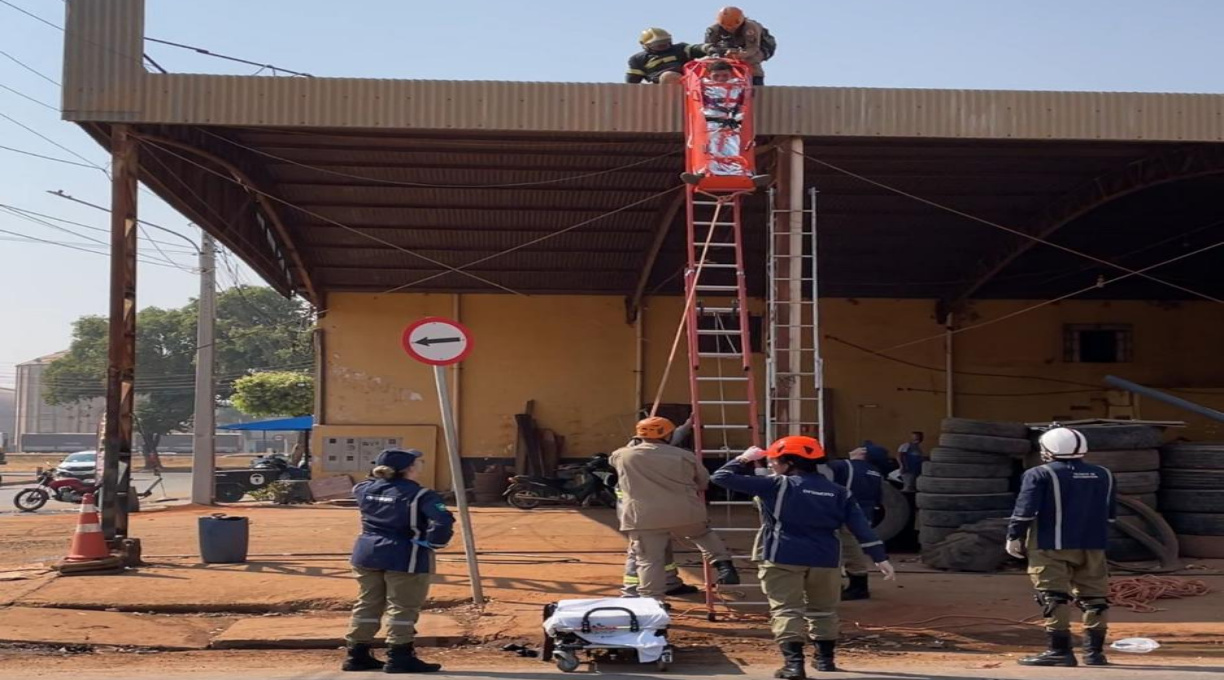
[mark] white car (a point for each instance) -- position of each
(81, 465)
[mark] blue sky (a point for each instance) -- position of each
(1117, 45)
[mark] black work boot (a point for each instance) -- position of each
(403, 659)
(1059, 653)
(727, 575)
(1094, 648)
(792, 661)
(824, 660)
(360, 659)
(683, 589)
(857, 589)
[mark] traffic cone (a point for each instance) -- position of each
(88, 543)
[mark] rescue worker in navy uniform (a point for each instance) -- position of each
(797, 547)
(660, 487)
(864, 481)
(661, 60)
(402, 524)
(736, 36)
(1061, 523)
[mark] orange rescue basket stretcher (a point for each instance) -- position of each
(720, 144)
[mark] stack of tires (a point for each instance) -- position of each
(1130, 453)
(1192, 496)
(969, 476)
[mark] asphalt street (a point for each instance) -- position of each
(176, 488)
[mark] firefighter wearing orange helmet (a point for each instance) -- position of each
(735, 35)
(797, 548)
(659, 486)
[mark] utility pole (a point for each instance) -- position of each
(203, 449)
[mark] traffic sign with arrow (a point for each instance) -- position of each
(437, 341)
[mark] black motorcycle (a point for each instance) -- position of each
(591, 484)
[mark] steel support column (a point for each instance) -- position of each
(121, 356)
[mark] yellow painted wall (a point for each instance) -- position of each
(574, 355)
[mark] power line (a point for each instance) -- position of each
(100, 242)
(85, 226)
(29, 98)
(996, 225)
(49, 158)
(82, 249)
(30, 14)
(49, 140)
(29, 68)
(62, 194)
(209, 53)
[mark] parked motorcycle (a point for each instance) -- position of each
(592, 483)
(50, 486)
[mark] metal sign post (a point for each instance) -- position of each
(441, 342)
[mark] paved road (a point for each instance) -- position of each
(1148, 671)
(177, 486)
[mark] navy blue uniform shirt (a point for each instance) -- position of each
(394, 514)
(800, 517)
(863, 480)
(1070, 502)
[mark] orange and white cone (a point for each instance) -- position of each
(88, 543)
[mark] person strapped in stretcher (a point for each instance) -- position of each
(718, 123)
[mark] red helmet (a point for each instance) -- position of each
(804, 447)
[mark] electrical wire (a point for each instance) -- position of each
(29, 68)
(1011, 230)
(426, 185)
(82, 249)
(29, 98)
(180, 250)
(449, 268)
(100, 242)
(1099, 284)
(209, 53)
(30, 14)
(49, 158)
(47, 139)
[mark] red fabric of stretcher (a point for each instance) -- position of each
(720, 146)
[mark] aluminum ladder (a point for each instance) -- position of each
(795, 398)
(721, 375)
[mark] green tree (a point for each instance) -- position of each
(274, 393)
(257, 329)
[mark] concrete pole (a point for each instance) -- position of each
(203, 440)
(457, 483)
(794, 195)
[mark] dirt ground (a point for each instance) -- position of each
(298, 567)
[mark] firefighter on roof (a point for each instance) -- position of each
(797, 547)
(1061, 521)
(735, 35)
(660, 60)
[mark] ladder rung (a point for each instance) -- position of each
(714, 378)
(782, 398)
(704, 286)
(704, 223)
(733, 331)
(720, 355)
(778, 257)
(735, 503)
(723, 451)
(718, 265)
(719, 245)
(738, 530)
(718, 310)
(800, 373)
(727, 427)
(724, 403)
(742, 603)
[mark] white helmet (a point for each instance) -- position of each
(1063, 442)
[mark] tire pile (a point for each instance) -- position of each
(1130, 453)
(968, 478)
(1192, 496)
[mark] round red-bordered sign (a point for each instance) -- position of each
(437, 341)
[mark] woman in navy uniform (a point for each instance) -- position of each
(797, 547)
(402, 524)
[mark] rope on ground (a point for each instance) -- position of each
(1137, 594)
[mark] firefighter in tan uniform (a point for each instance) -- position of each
(1061, 522)
(736, 36)
(660, 487)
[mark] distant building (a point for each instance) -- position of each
(8, 414)
(35, 416)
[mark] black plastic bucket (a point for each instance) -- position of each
(224, 539)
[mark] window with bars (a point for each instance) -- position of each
(1098, 343)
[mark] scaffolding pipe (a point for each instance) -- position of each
(794, 197)
(1169, 399)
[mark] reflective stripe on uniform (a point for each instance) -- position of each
(635, 72)
(1058, 510)
(364, 620)
(871, 544)
(393, 622)
(671, 567)
(412, 526)
(630, 580)
(777, 511)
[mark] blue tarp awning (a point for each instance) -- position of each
(275, 425)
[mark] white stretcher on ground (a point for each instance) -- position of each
(574, 626)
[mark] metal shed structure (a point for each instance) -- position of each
(327, 185)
